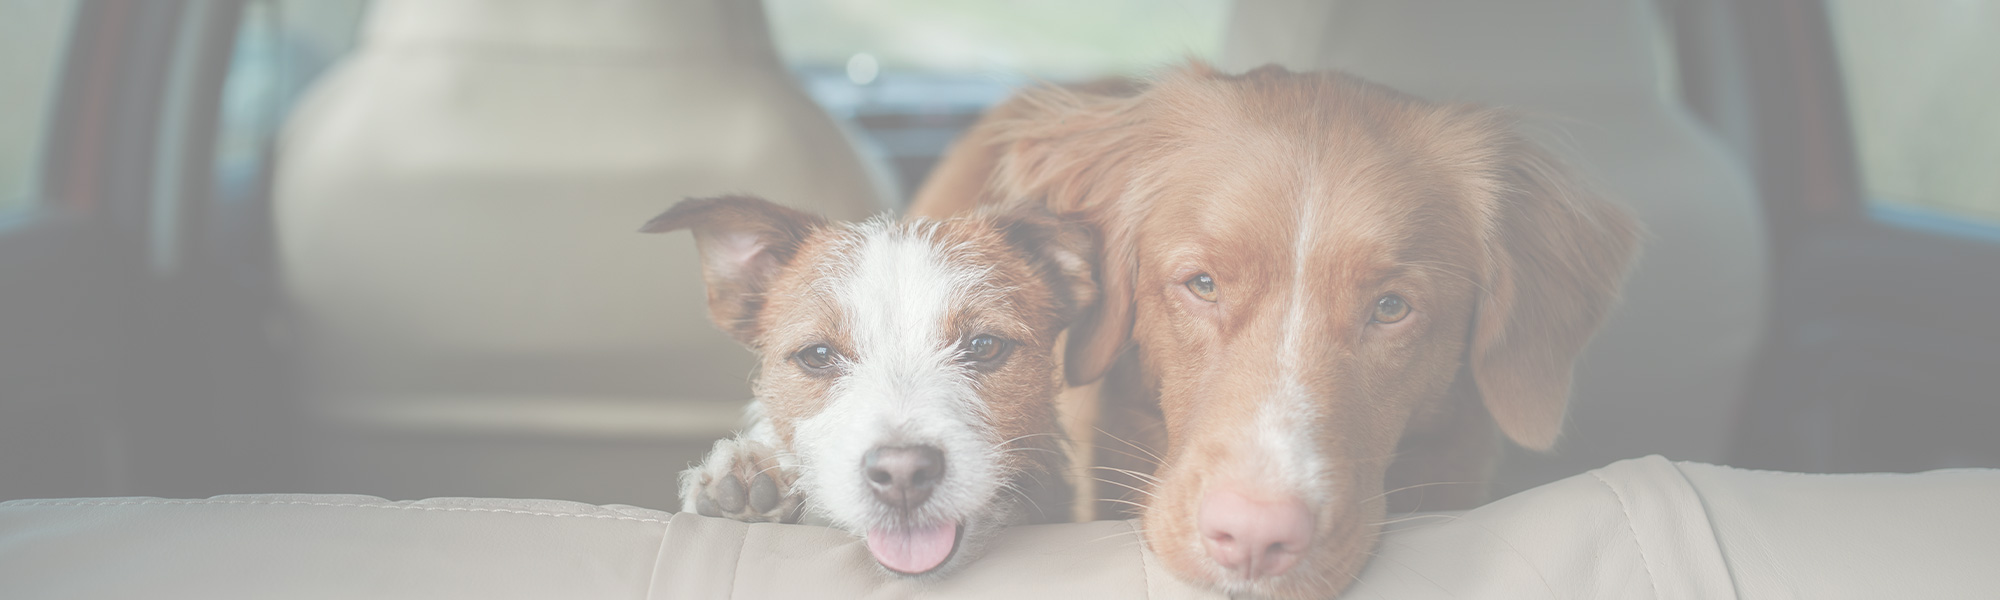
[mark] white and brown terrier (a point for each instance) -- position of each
(907, 378)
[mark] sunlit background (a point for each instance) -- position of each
(1919, 80)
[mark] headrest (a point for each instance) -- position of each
(1534, 49)
(699, 28)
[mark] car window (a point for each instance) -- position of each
(1049, 39)
(1924, 97)
(911, 74)
(281, 47)
(37, 34)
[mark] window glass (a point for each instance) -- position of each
(1924, 94)
(910, 75)
(1049, 39)
(33, 37)
(281, 47)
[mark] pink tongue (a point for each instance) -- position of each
(912, 551)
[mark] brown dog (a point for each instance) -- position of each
(1326, 284)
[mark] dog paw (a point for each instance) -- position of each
(741, 480)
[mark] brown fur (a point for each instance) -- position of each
(1508, 266)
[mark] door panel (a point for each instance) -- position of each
(1884, 352)
(106, 360)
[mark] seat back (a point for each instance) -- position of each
(457, 203)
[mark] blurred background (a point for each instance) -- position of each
(387, 247)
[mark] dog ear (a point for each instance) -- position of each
(1075, 152)
(743, 241)
(1062, 252)
(1556, 257)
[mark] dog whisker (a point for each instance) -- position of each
(1136, 457)
(1411, 487)
(1031, 435)
(1415, 518)
(1122, 501)
(1127, 486)
(767, 470)
(1025, 500)
(1149, 457)
(1130, 503)
(1136, 534)
(1031, 449)
(1145, 477)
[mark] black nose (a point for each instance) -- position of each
(903, 476)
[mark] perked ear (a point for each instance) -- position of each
(1075, 153)
(1062, 253)
(743, 241)
(1556, 257)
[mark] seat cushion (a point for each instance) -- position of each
(1642, 528)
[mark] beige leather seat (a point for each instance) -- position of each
(1595, 81)
(456, 212)
(1643, 528)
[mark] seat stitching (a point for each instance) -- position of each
(1647, 563)
(1145, 572)
(736, 572)
(653, 577)
(331, 505)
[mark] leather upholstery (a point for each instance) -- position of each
(1643, 528)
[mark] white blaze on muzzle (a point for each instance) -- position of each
(1285, 453)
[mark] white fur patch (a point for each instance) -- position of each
(1285, 422)
(902, 383)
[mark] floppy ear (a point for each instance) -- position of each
(1062, 253)
(1556, 258)
(743, 240)
(1075, 153)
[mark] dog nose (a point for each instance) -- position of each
(903, 476)
(1255, 538)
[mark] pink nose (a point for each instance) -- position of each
(1255, 537)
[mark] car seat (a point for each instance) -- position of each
(456, 211)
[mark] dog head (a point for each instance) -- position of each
(908, 368)
(1307, 263)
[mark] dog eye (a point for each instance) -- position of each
(817, 357)
(984, 348)
(1390, 309)
(1203, 287)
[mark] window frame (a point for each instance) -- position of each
(35, 194)
(83, 304)
(1859, 288)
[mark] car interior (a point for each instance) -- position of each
(389, 248)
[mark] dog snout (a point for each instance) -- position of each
(903, 476)
(1255, 537)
